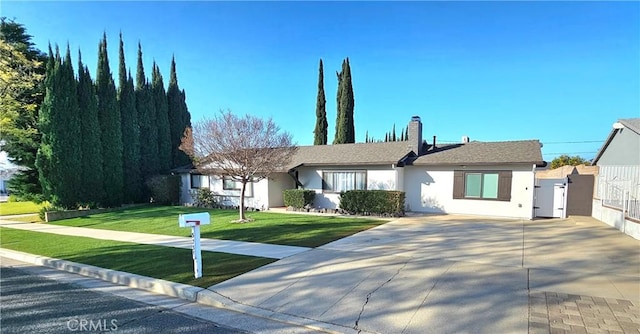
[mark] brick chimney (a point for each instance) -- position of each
(415, 135)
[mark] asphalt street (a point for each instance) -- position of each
(34, 304)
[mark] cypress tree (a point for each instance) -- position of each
(179, 118)
(91, 172)
(320, 132)
(133, 184)
(147, 121)
(345, 129)
(340, 135)
(162, 117)
(110, 127)
(44, 155)
(393, 133)
(348, 104)
(60, 153)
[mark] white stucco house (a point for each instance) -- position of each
(479, 178)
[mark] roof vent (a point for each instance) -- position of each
(465, 139)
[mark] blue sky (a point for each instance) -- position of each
(560, 72)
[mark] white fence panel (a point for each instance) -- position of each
(619, 187)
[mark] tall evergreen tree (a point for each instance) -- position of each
(60, 152)
(320, 132)
(111, 129)
(179, 118)
(393, 133)
(345, 129)
(162, 120)
(147, 120)
(44, 156)
(91, 170)
(133, 183)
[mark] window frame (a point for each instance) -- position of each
(200, 183)
(325, 184)
(482, 195)
(238, 187)
(226, 179)
(505, 178)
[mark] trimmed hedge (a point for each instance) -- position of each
(164, 189)
(298, 198)
(380, 202)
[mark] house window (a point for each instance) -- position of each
(236, 186)
(230, 184)
(481, 185)
(199, 181)
(485, 185)
(339, 181)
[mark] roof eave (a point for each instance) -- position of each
(604, 146)
(512, 163)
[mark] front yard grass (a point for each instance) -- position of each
(172, 264)
(19, 208)
(268, 227)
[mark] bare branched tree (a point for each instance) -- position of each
(245, 149)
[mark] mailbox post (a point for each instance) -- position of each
(194, 220)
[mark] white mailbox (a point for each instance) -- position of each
(194, 219)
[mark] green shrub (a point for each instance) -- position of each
(379, 202)
(298, 198)
(164, 189)
(204, 198)
(47, 207)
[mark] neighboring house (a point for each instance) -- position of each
(480, 178)
(617, 196)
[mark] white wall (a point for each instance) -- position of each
(378, 178)
(185, 187)
(256, 197)
(430, 189)
(277, 184)
(614, 218)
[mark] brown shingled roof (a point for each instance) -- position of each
(484, 153)
(350, 154)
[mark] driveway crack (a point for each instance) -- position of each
(356, 327)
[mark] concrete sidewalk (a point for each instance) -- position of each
(211, 245)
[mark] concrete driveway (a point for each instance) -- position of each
(456, 274)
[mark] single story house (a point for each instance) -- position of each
(479, 178)
(616, 199)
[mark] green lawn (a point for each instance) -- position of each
(19, 208)
(172, 264)
(272, 228)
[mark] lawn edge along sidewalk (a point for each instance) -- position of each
(183, 291)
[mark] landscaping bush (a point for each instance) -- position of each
(366, 202)
(164, 189)
(298, 198)
(204, 198)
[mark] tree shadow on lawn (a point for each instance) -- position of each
(167, 263)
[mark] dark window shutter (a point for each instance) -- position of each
(458, 184)
(504, 186)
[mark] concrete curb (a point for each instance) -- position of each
(183, 291)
